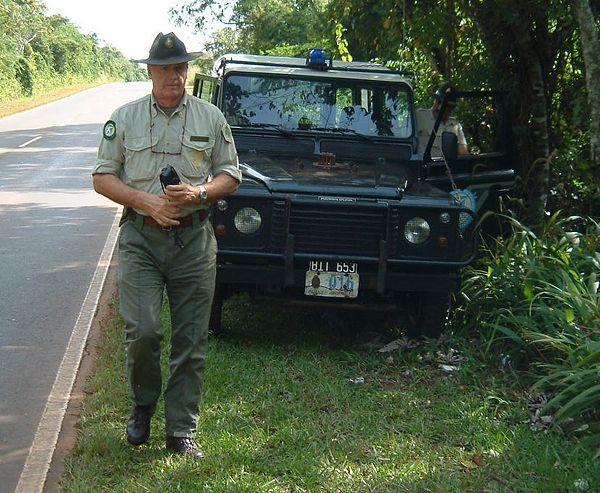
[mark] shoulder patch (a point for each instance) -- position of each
(227, 135)
(110, 130)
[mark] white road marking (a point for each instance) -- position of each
(40, 455)
(30, 141)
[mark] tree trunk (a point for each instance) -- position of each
(519, 68)
(537, 175)
(591, 57)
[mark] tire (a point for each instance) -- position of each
(428, 314)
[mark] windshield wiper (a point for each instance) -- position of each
(344, 131)
(269, 125)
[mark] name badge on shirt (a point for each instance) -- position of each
(199, 138)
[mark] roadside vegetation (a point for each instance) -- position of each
(535, 300)
(41, 55)
(23, 104)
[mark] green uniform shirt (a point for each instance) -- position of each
(140, 139)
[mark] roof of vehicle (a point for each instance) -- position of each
(298, 66)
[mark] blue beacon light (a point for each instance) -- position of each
(317, 58)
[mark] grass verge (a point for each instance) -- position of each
(11, 107)
(22, 104)
(283, 412)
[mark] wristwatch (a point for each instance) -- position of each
(202, 195)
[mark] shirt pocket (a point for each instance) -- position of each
(197, 157)
(138, 162)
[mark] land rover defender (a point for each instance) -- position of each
(336, 204)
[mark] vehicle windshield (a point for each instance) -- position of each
(338, 105)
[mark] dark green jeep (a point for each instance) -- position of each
(336, 204)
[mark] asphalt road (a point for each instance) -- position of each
(53, 228)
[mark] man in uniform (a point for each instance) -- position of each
(166, 240)
(426, 118)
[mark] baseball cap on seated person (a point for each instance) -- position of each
(442, 92)
(168, 49)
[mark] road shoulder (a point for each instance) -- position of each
(67, 438)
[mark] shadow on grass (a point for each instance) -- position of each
(331, 327)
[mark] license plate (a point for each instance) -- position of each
(339, 283)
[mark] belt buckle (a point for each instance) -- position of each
(167, 228)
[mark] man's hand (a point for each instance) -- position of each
(163, 210)
(185, 194)
(182, 194)
(159, 207)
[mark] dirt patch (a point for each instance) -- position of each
(68, 433)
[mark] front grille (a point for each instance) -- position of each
(332, 229)
(279, 220)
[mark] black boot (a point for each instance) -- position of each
(138, 428)
(184, 446)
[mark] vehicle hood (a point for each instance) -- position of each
(376, 178)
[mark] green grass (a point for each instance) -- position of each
(17, 105)
(279, 414)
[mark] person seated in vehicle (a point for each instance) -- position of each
(426, 118)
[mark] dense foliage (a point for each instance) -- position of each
(39, 52)
(537, 297)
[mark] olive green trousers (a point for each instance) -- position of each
(150, 263)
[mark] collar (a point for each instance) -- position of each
(154, 105)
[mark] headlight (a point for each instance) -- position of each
(417, 230)
(247, 220)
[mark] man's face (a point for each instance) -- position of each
(168, 81)
(437, 105)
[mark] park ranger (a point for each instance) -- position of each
(426, 118)
(166, 240)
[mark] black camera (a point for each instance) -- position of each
(168, 176)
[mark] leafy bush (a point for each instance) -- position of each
(536, 298)
(24, 75)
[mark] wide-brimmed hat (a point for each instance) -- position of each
(168, 49)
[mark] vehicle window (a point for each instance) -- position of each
(305, 104)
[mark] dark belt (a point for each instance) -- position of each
(184, 222)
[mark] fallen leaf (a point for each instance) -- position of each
(403, 343)
(469, 464)
(477, 459)
(392, 346)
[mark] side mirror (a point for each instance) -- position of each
(449, 146)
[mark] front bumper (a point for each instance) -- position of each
(380, 277)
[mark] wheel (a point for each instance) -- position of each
(428, 313)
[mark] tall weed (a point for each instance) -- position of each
(536, 298)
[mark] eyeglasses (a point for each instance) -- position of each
(178, 153)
